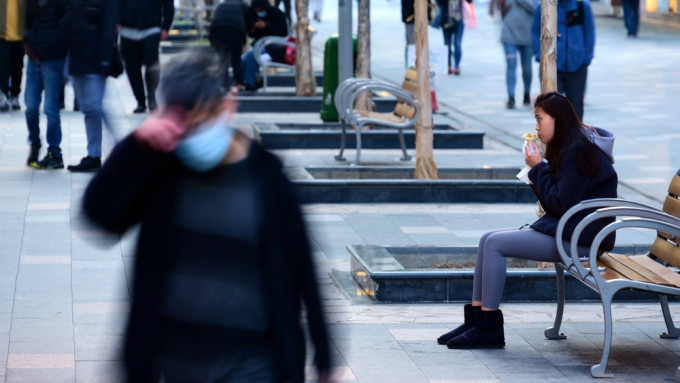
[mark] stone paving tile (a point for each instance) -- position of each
(40, 361)
(99, 372)
(43, 375)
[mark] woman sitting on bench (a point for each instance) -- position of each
(577, 166)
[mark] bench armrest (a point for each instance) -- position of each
(607, 207)
(381, 86)
(342, 93)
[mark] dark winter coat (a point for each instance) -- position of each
(558, 193)
(275, 19)
(231, 13)
(46, 30)
(145, 14)
(138, 185)
(92, 34)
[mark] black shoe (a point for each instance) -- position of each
(51, 161)
(87, 164)
(139, 109)
(511, 103)
(487, 332)
(527, 99)
(76, 105)
(14, 103)
(250, 88)
(152, 106)
(33, 154)
(468, 311)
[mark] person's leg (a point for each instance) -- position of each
(560, 81)
(235, 47)
(457, 44)
(151, 67)
(526, 55)
(250, 68)
(17, 70)
(129, 51)
(627, 15)
(32, 99)
(575, 88)
(447, 41)
(5, 70)
(510, 72)
(410, 40)
(90, 92)
(52, 81)
(635, 16)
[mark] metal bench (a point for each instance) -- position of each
(259, 48)
(404, 115)
(655, 272)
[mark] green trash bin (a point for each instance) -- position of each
(330, 77)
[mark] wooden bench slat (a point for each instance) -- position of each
(674, 187)
(667, 251)
(672, 206)
(640, 268)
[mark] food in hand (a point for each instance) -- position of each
(530, 137)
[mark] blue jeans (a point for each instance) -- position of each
(250, 68)
(458, 32)
(89, 90)
(631, 15)
(48, 77)
(525, 53)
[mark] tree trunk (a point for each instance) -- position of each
(363, 65)
(426, 167)
(548, 69)
(305, 83)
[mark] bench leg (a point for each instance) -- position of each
(599, 370)
(673, 332)
(264, 77)
(406, 157)
(343, 140)
(358, 155)
(554, 331)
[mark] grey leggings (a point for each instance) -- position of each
(497, 245)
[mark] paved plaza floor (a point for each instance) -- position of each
(64, 286)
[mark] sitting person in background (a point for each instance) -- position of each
(262, 20)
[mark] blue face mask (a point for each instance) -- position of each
(205, 149)
(261, 14)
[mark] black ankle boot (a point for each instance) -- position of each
(527, 99)
(486, 333)
(468, 314)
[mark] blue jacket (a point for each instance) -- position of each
(558, 193)
(575, 43)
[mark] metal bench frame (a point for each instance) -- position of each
(260, 47)
(629, 214)
(345, 97)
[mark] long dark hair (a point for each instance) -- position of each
(569, 130)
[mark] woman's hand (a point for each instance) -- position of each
(532, 154)
(163, 130)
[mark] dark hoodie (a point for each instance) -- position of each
(232, 14)
(275, 20)
(46, 37)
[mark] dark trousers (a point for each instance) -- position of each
(135, 55)
(228, 42)
(573, 86)
(11, 67)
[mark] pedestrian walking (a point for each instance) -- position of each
(12, 26)
(517, 16)
(228, 36)
(453, 26)
(578, 167)
(143, 25)
(46, 43)
(92, 35)
(223, 264)
(575, 47)
(631, 16)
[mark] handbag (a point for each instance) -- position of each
(116, 62)
(469, 17)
